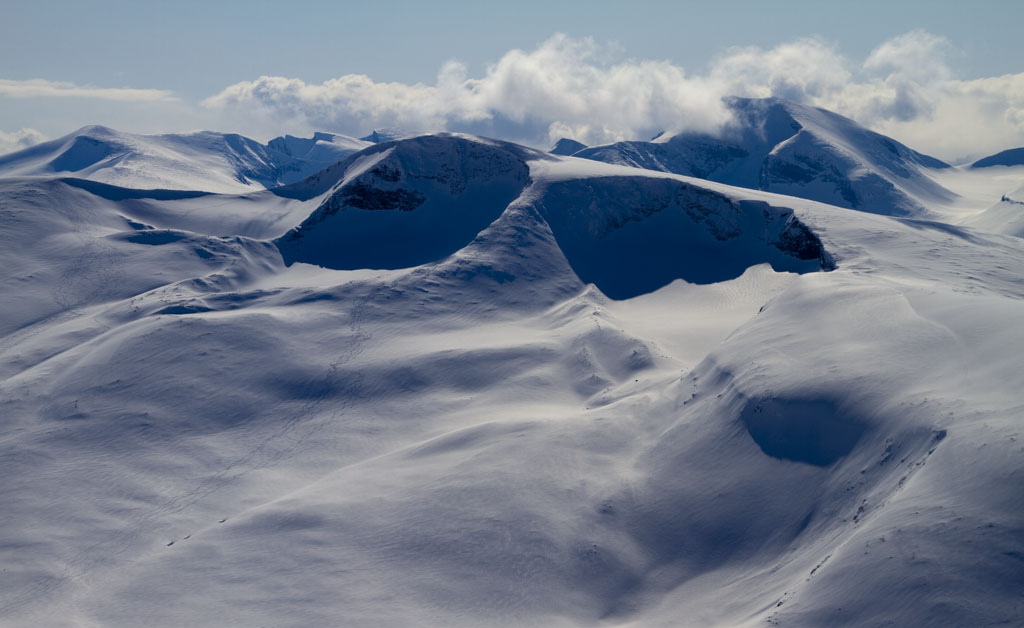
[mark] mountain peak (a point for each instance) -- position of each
(566, 146)
(789, 148)
(326, 148)
(95, 130)
(378, 136)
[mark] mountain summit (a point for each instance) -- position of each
(784, 147)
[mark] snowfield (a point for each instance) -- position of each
(456, 381)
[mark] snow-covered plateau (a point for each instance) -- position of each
(446, 380)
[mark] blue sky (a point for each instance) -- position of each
(67, 64)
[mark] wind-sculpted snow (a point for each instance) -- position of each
(1006, 216)
(497, 431)
(783, 147)
(115, 193)
(811, 431)
(848, 451)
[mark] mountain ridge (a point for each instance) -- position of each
(780, 146)
(204, 160)
(1009, 157)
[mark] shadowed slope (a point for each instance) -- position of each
(415, 201)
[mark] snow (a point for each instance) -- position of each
(984, 198)
(793, 149)
(380, 136)
(566, 146)
(207, 161)
(322, 147)
(1011, 157)
(418, 202)
(455, 381)
(1006, 216)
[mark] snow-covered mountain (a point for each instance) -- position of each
(456, 381)
(781, 146)
(208, 161)
(322, 148)
(378, 136)
(417, 201)
(1011, 157)
(566, 146)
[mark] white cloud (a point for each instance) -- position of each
(904, 80)
(966, 119)
(564, 85)
(10, 142)
(593, 93)
(575, 88)
(42, 88)
(917, 55)
(804, 70)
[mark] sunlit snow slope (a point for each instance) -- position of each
(455, 381)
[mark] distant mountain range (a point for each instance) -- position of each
(771, 144)
(208, 161)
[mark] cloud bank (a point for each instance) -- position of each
(42, 88)
(563, 87)
(575, 88)
(593, 93)
(10, 142)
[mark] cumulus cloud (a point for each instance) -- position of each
(565, 85)
(917, 55)
(42, 88)
(10, 142)
(965, 119)
(903, 82)
(804, 70)
(576, 88)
